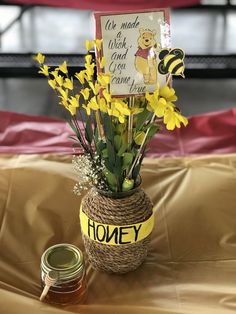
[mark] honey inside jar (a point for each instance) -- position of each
(67, 262)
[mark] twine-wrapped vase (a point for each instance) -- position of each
(125, 222)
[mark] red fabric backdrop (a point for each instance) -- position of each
(208, 133)
(108, 5)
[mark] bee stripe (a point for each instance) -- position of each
(179, 69)
(174, 65)
(171, 61)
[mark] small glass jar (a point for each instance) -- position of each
(67, 262)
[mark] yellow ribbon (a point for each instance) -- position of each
(115, 235)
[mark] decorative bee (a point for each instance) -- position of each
(171, 61)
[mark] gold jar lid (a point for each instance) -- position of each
(64, 259)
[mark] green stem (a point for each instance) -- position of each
(130, 124)
(98, 120)
(129, 175)
(168, 79)
(83, 144)
(89, 145)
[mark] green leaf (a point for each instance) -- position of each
(124, 144)
(127, 160)
(88, 131)
(96, 134)
(108, 165)
(152, 131)
(105, 153)
(117, 142)
(111, 180)
(118, 166)
(120, 128)
(111, 152)
(136, 171)
(100, 145)
(74, 129)
(142, 117)
(139, 137)
(78, 135)
(107, 127)
(122, 149)
(74, 138)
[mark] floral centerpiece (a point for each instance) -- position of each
(113, 133)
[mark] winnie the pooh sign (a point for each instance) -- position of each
(131, 45)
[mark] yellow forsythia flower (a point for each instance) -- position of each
(159, 104)
(95, 87)
(149, 108)
(74, 101)
(98, 44)
(154, 96)
(160, 107)
(59, 79)
(102, 63)
(68, 84)
(106, 95)
(54, 73)
(72, 110)
(39, 58)
(113, 112)
(103, 105)
(136, 110)
(168, 93)
(69, 107)
(52, 83)
(89, 69)
(121, 107)
(148, 96)
(173, 119)
(44, 70)
(64, 93)
(104, 79)
(121, 119)
(116, 113)
(88, 110)
(92, 104)
(88, 59)
(81, 76)
(63, 67)
(85, 92)
(64, 102)
(89, 44)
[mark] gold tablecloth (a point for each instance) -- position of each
(191, 266)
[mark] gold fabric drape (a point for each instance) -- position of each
(191, 266)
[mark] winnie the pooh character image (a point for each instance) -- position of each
(145, 57)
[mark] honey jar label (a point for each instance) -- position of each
(115, 235)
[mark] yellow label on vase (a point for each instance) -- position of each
(115, 235)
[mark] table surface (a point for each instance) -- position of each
(191, 263)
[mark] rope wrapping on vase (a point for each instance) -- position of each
(133, 210)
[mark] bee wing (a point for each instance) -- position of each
(178, 52)
(163, 53)
(162, 68)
